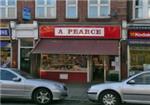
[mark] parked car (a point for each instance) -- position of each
(135, 89)
(18, 84)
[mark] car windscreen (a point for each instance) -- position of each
(23, 74)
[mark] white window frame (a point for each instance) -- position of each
(99, 5)
(73, 5)
(148, 10)
(45, 9)
(6, 10)
(144, 7)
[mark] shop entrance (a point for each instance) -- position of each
(26, 45)
(98, 68)
(25, 59)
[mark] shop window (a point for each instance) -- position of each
(141, 9)
(45, 9)
(5, 54)
(8, 9)
(98, 8)
(71, 9)
(139, 56)
(64, 62)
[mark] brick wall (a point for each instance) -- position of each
(118, 6)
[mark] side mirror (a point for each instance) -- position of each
(16, 79)
(131, 82)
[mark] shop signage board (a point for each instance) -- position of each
(139, 34)
(106, 32)
(4, 32)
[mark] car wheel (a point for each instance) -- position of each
(42, 96)
(109, 98)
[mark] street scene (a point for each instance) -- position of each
(85, 52)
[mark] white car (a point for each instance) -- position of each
(135, 89)
(16, 84)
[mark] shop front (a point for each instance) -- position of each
(138, 49)
(78, 53)
(24, 37)
(5, 47)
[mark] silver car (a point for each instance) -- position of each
(18, 84)
(135, 89)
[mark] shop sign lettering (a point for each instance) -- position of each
(136, 34)
(4, 32)
(104, 32)
(79, 31)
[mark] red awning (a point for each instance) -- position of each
(82, 47)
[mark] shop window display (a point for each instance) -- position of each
(64, 62)
(5, 59)
(138, 58)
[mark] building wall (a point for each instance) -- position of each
(118, 6)
(117, 14)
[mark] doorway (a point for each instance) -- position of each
(25, 59)
(26, 45)
(98, 68)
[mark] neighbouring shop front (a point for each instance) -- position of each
(138, 49)
(5, 47)
(78, 53)
(24, 37)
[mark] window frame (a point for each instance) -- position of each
(144, 7)
(6, 6)
(72, 5)
(45, 6)
(99, 5)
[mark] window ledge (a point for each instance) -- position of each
(45, 18)
(107, 17)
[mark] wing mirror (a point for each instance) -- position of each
(16, 79)
(131, 82)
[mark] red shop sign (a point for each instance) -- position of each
(139, 34)
(106, 32)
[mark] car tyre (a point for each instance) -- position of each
(42, 96)
(109, 98)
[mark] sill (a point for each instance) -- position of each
(8, 18)
(71, 18)
(45, 18)
(139, 19)
(102, 17)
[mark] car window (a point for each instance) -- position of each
(142, 79)
(6, 75)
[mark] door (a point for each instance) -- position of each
(137, 89)
(9, 87)
(98, 68)
(25, 61)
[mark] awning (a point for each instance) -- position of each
(82, 47)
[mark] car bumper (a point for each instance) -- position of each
(92, 96)
(60, 95)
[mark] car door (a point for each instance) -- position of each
(137, 89)
(11, 88)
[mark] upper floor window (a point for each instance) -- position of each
(45, 8)
(71, 8)
(8, 9)
(141, 9)
(98, 8)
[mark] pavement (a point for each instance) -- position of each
(77, 91)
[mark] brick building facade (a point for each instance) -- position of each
(116, 16)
